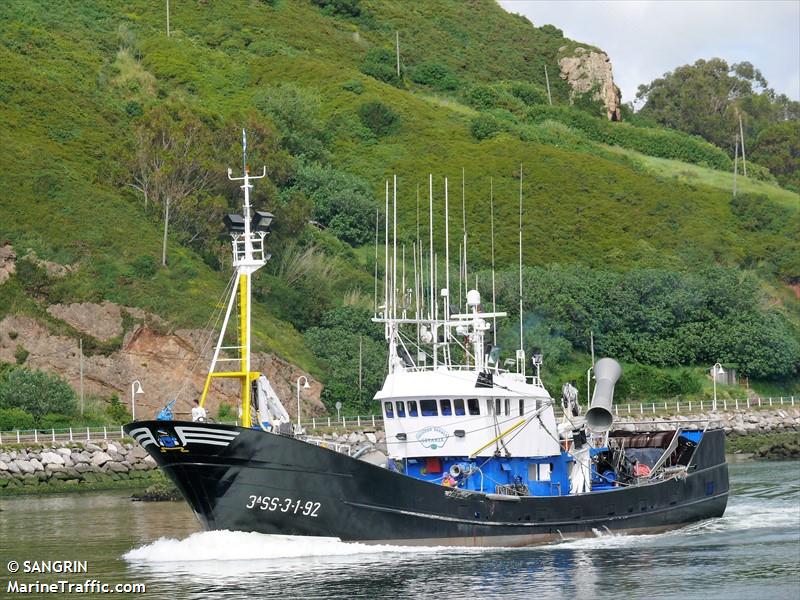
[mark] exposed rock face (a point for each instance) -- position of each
(590, 70)
(101, 321)
(8, 262)
(166, 364)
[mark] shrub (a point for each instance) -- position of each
(654, 142)
(226, 411)
(117, 411)
(144, 266)
(345, 8)
(435, 75)
(528, 93)
(342, 202)
(36, 392)
(379, 118)
(354, 85)
(21, 354)
(15, 418)
(483, 126)
(381, 63)
(296, 112)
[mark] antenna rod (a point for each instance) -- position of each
(386, 263)
(521, 347)
(375, 297)
(394, 253)
(494, 299)
(430, 223)
(403, 286)
(464, 227)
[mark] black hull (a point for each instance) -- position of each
(273, 484)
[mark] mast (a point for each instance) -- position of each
(521, 351)
(248, 257)
(432, 308)
(494, 298)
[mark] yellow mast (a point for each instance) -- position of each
(248, 257)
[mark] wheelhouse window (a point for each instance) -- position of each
(388, 411)
(412, 408)
(507, 406)
(429, 408)
(401, 408)
(458, 404)
(489, 406)
(473, 407)
(497, 407)
(446, 408)
(521, 407)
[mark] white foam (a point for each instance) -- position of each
(238, 546)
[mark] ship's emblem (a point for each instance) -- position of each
(167, 442)
(432, 437)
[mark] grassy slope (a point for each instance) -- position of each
(60, 113)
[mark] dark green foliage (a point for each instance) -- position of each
(226, 412)
(34, 278)
(15, 418)
(36, 392)
(21, 354)
(778, 149)
(589, 103)
(435, 75)
(483, 126)
(346, 8)
(337, 341)
(342, 202)
(116, 411)
(296, 112)
(655, 142)
(144, 266)
(354, 85)
(661, 318)
(530, 94)
(379, 118)
(381, 63)
(641, 382)
(708, 97)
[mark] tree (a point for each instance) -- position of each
(778, 149)
(296, 113)
(171, 162)
(37, 393)
(708, 97)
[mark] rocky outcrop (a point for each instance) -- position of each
(590, 71)
(101, 321)
(8, 262)
(167, 365)
(73, 464)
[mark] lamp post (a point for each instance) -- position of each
(716, 370)
(305, 386)
(136, 388)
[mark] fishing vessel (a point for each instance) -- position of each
(478, 454)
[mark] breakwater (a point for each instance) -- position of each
(74, 465)
(65, 465)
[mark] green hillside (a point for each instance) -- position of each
(333, 121)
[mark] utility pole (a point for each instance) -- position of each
(360, 367)
(547, 81)
(735, 165)
(80, 341)
(167, 18)
(166, 224)
(741, 135)
(397, 51)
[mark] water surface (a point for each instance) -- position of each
(751, 552)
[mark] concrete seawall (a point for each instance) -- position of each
(122, 463)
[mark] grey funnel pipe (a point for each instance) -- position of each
(606, 373)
